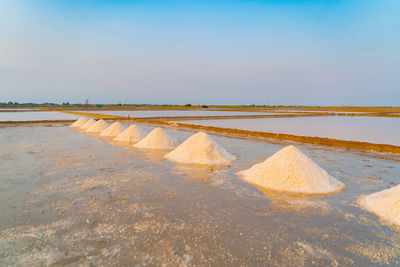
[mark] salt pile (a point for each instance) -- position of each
(200, 148)
(113, 130)
(156, 139)
(98, 127)
(291, 171)
(79, 122)
(385, 204)
(133, 134)
(88, 124)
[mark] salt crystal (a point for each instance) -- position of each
(88, 124)
(156, 139)
(200, 148)
(133, 134)
(385, 204)
(113, 130)
(78, 123)
(98, 127)
(291, 171)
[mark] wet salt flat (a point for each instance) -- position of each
(366, 129)
(72, 198)
(173, 113)
(35, 116)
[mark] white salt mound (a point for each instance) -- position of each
(98, 127)
(113, 130)
(79, 122)
(291, 171)
(385, 204)
(88, 124)
(200, 148)
(133, 134)
(156, 139)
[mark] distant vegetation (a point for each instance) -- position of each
(68, 105)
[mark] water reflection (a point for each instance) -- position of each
(367, 129)
(35, 116)
(173, 113)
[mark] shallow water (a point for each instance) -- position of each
(35, 116)
(72, 198)
(324, 111)
(22, 109)
(366, 129)
(173, 113)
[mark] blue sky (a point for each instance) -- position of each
(201, 52)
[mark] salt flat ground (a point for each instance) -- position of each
(72, 198)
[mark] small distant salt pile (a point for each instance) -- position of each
(88, 124)
(291, 171)
(98, 127)
(156, 139)
(385, 204)
(113, 130)
(200, 148)
(79, 122)
(133, 134)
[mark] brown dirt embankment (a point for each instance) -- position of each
(356, 145)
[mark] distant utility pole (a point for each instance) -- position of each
(87, 102)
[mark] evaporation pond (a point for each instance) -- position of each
(366, 129)
(173, 113)
(35, 116)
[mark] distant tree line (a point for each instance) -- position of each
(68, 104)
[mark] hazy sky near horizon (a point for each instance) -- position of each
(341, 52)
